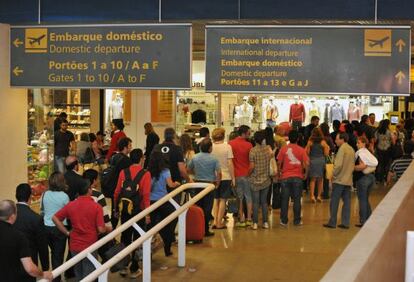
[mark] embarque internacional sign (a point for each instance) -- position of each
(145, 56)
(369, 60)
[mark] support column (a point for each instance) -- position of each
(13, 125)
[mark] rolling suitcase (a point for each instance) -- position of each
(195, 229)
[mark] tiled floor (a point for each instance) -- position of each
(278, 254)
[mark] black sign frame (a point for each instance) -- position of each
(213, 70)
(188, 56)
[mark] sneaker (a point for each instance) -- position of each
(254, 226)
(136, 274)
(299, 223)
(249, 223)
(241, 224)
(266, 225)
(123, 272)
(283, 224)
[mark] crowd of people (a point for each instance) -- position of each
(274, 165)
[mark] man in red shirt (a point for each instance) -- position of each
(144, 191)
(116, 135)
(292, 160)
(241, 148)
(86, 217)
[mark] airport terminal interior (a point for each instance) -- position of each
(107, 69)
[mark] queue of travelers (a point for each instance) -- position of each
(73, 210)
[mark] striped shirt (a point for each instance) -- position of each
(99, 198)
(400, 165)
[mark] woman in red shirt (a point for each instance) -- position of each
(117, 133)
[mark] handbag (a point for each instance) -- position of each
(114, 250)
(329, 167)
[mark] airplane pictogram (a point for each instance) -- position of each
(377, 42)
(380, 42)
(33, 40)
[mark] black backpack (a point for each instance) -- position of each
(109, 177)
(129, 199)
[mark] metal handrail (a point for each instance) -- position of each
(180, 211)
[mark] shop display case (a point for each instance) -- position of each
(40, 140)
(44, 105)
(117, 106)
(195, 109)
(76, 104)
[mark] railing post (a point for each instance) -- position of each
(104, 276)
(181, 234)
(146, 255)
(146, 260)
(181, 238)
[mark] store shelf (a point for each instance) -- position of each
(72, 105)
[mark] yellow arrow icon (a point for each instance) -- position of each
(400, 76)
(400, 44)
(17, 71)
(17, 42)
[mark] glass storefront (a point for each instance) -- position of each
(196, 108)
(44, 106)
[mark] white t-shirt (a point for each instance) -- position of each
(223, 152)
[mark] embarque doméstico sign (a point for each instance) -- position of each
(154, 56)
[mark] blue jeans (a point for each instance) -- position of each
(84, 267)
(291, 187)
(60, 164)
(260, 199)
(364, 186)
(243, 189)
(340, 191)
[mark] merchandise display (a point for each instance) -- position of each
(244, 113)
(40, 140)
(297, 113)
(313, 109)
(271, 111)
(337, 111)
(354, 112)
(300, 109)
(76, 104)
(195, 109)
(117, 106)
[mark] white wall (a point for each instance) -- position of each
(13, 125)
(140, 114)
